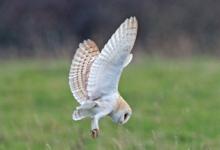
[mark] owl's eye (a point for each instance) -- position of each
(125, 116)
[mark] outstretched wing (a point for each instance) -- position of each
(106, 69)
(80, 68)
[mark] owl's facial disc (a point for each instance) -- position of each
(124, 117)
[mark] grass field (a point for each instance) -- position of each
(176, 106)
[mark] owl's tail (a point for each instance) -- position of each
(80, 114)
(83, 111)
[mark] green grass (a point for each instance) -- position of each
(176, 106)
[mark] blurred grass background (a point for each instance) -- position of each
(175, 106)
(173, 84)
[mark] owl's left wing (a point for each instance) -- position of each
(106, 69)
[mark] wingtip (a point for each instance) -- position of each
(135, 18)
(85, 41)
(87, 44)
(132, 20)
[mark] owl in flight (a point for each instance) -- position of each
(94, 77)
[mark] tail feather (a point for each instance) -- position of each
(80, 114)
(84, 110)
(87, 105)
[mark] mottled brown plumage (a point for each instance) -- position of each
(78, 76)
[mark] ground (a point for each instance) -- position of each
(176, 106)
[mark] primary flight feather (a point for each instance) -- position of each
(94, 76)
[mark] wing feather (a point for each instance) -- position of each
(106, 69)
(79, 70)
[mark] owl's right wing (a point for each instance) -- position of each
(106, 70)
(80, 68)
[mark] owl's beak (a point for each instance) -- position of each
(119, 121)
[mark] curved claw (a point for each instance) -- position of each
(95, 133)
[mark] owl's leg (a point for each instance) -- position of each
(95, 127)
(95, 124)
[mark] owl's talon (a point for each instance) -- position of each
(95, 133)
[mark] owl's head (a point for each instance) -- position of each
(122, 113)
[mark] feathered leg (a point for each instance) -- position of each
(95, 123)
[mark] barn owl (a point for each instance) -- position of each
(94, 77)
